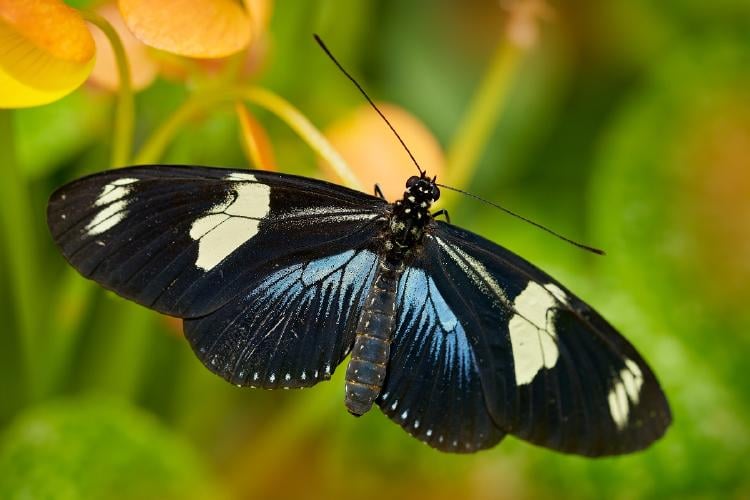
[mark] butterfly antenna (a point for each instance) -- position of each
(359, 87)
(543, 228)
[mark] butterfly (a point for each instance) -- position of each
(279, 278)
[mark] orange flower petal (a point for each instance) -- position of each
(260, 15)
(376, 156)
(143, 68)
(255, 141)
(193, 28)
(46, 51)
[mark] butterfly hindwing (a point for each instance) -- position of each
(186, 240)
(291, 326)
(433, 389)
(552, 370)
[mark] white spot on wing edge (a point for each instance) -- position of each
(241, 176)
(625, 393)
(114, 191)
(557, 292)
(532, 336)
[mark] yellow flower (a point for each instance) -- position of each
(46, 52)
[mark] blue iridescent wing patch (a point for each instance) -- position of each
(433, 389)
(291, 327)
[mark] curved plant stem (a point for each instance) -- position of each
(480, 118)
(249, 143)
(302, 126)
(155, 146)
(122, 140)
(198, 103)
(20, 249)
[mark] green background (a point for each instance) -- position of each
(627, 126)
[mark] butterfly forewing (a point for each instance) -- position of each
(271, 268)
(186, 240)
(553, 371)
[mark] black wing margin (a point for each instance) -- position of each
(552, 370)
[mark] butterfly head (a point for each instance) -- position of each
(421, 190)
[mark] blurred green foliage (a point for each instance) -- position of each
(98, 448)
(626, 126)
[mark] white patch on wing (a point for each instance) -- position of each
(532, 332)
(232, 222)
(111, 198)
(241, 176)
(625, 392)
(557, 292)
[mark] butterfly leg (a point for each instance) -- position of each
(444, 213)
(379, 192)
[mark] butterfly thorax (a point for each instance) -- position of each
(409, 217)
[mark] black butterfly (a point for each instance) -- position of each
(279, 277)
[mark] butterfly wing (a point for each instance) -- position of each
(291, 326)
(432, 387)
(186, 240)
(550, 370)
(268, 269)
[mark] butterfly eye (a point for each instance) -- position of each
(435, 193)
(412, 181)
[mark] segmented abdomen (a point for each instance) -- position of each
(365, 373)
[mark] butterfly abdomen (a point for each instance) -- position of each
(366, 371)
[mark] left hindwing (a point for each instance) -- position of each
(552, 370)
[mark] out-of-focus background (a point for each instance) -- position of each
(624, 124)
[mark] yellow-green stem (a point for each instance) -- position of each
(154, 148)
(249, 143)
(20, 250)
(122, 137)
(477, 124)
